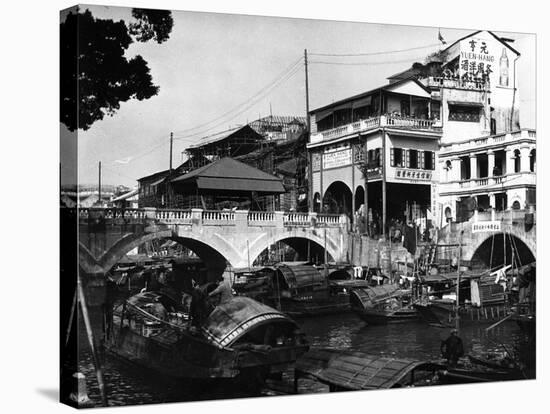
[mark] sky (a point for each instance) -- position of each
(221, 70)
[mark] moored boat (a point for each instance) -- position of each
(353, 371)
(300, 289)
(241, 338)
(383, 304)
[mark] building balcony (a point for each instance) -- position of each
(499, 140)
(488, 184)
(389, 121)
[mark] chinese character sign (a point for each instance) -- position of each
(476, 58)
(486, 226)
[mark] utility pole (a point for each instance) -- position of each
(99, 184)
(171, 145)
(308, 130)
(307, 91)
(384, 196)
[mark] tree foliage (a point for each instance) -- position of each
(151, 24)
(96, 76)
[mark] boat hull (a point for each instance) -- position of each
(385, 317)
(195, 359)
(306, 308)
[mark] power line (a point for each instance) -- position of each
(321, 62)
(250, 103)
(375, 53)
(238, 107)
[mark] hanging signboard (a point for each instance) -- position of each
(413, 175)
(486, 226)
(337, 159)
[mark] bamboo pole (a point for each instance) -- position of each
(457, 316)
(71, 316)
(90, 334)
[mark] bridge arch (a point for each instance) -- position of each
(215, 255)
(495, 249)
(299, 243)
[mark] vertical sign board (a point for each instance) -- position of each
(434, 202)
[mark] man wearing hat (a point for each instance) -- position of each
(452, 348)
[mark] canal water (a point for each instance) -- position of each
(129, 385)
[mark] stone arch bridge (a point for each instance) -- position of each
(220, 238)
(511, 230)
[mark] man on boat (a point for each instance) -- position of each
(223, 290)
(452, 348)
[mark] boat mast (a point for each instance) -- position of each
(457, 317)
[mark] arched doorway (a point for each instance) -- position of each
(448, 214)
(337, 199)
(359, 197)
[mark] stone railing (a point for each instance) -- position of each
(261, 218)
(499, 139)
(216, 217)
(112, 213)
(508, 216)
(179, 216)
(521, 178)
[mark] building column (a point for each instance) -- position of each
(473, 166)
(492, 204)
(524, 162)
(490, 162)
(509, 161)
(492, 200)
(456, 164)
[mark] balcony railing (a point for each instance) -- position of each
(506, 138)
(522, 178)
(392, 121)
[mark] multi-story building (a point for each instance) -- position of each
(497, 171)
(436, 134)
(376, 149)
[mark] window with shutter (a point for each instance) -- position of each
(433, 160)
(421, 160)
(407, 159)
(392, 162)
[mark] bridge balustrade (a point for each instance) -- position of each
(261, 218)
(217, 217)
